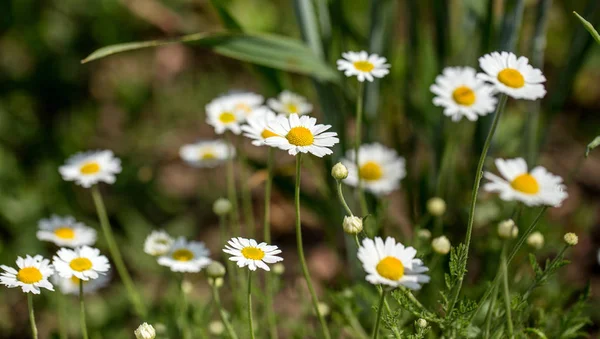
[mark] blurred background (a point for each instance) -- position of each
(145, 104)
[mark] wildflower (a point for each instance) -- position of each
(363, 65)
(424, 234)
(301, 134)
(459, 91)
(207, 153)
(512, 76)
(65, 231)
(216, 327)
(436, 206)
(158, 243)
(441, 245)
(392, 264)
(352, 224)
(244, 102)
(339, 171)
(256, 127)
(279, 268)
(247, 252)
(381, 169)
(571, 239)
(186, 256)
(535, 240)
(222, 115)
(145, 331)
(90, 168)
(84, 263)
(71, 285)
(538, 187)
(215, 270)
(507, 229)
(32, 274)
(290, 103)
(222, 206)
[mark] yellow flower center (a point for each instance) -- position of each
(300, 136)
(64, 233)
(370, 171)
(464, 96)
(267, 134)
(511, 78)
(80, 264)
(183, 254)
(525, 183)
(292, 108)
(390, 268)
(208, 156)
(29, 275)
(253, 253)
(363, 66)
(243, 107)
(90, 168)
(227, 117)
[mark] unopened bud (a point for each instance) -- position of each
(216, 327)
(422, 323)
(507, 229)
(424, 234)
(278, 268)
(217, 282)
(339, 171)
(441, 245)
(536, 240)
(571, 239)
(436, 206)
(352, 224)
(324, 309)
(215, 270)
(222, 207)
(145, 331)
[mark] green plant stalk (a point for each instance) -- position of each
(184, 323)
(250, 324)
(34, 331)
(270, 313)
(222, 313)
(246, 194)
(506, 291)
(360, 93)
(379, 313)
(84, 333)
(490, 312)
(132, 293)
(340, 195)
(62, 316)
(229, 263)
(552, 263)
(313, 295)
(232, 194)
(478, 176)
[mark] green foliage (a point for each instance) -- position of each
(589, 27)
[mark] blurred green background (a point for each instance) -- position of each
(144, 105)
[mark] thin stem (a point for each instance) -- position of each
(379, 313)
(222, 313)
(84, 333)
(478, 176)
(271, 319)
(246, 194)
(340, 194)
(360, 92)
(250, 304)
(34, 331)
(132, 293)
(490, 312)
(232, 194)
(313, 295)
(184, 323)
(62, 316)
(506, 291)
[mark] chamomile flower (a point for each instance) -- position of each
(538, 187)
(459, 91)
(257, 126)
(247, 252)
(90, 168)
(158, 243)
(31, 275)
(390, 263)
(85, 263)
(207, 153)
(186, 256)
(381, 169)
(301, 134)
(290, 103)
(512, 76)
(244, 102)
(223, 116)
(65, 231)
(363, 65)
(71, 285)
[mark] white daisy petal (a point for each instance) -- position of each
(65, 231)
(363, 66)
(90, 168)
(207, 153)
(186, 256)
(85, 263)
(252, 254)
(301, 134)
(32, 274)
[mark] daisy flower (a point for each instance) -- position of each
(186, 256)
(392, 264)
(222, 115)
(207, 153)
(90, 168)
(32, 273)
(256, 127)
(512, 76)
(459, 91)
(84, 263)
(290, 103)
(65, 231)
(363, 65)
(243, 102)
(247, 252)
(71, 285)
(301, 134)
(381, 169)
(158, 243)
(538, 187)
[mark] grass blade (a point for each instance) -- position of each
(589, 27)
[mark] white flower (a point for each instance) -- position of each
(512, 76)
(84, 263)
(247, 252)
(244, 102)
(257, 126)
(339, 171)
(459, 91)
(441, 245)
(436, 206)
(507, 229)
(571, 239)
(381, 169)
(363, 65)
(186, 256)
(90, 168)
(207, 153)
(145, 331)
(352, 224)
(71, 285)
(290, 103)
(158, 243)
(392, 264)
(65, 231)
(227, 112)
(301, 134)
(222, 206)
(538, 187)
(32, 274)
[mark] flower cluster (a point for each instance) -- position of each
(180, 255)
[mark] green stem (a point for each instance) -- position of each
(232, 194)
(229, 263)
(478, 176)
(222, 313)
(490, 312)
(132, 293)
(270, 313)
(506, 291)
(379, 313)
(250, 304)
(360, 92)
(34, 331)
(340, 194)
(84, 333)
(246, 194)
(184, 323)
(62, 316)
(313, 295)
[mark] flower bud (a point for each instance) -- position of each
(339, 171)
(352, 225)
(441, 245)
(571, 239)
(215, 270)
(217, 282)
(187, 287)
(424, 234)
(145, 331)
(507, 229)
(536, 240)
(222, 207)
(422, 323)
(324, 309)
(436, 206)
(216, 328)
(278, 268)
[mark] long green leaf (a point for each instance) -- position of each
(589, 27)
(267, 50)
